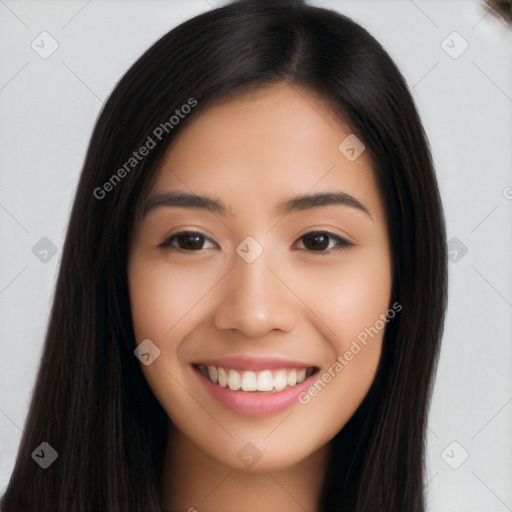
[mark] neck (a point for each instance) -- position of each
(193, 481)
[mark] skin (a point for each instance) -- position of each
(295, 300)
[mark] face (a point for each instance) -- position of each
(268, 311)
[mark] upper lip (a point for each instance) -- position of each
(246, 362)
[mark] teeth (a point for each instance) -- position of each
(234, 380)
(223, 378)
(249, 381)
(266, 380)
(212, 371)
(292, 378)
(280, 380)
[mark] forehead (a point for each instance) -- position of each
(254, 149)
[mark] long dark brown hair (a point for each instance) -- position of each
(91, 402)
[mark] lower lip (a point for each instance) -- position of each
(255, 403)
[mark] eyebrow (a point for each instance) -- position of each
(299, 203)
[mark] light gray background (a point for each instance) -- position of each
(48, 109)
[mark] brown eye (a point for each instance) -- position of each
(316, 241)
(186, 241)
(320, 241)
(190, 241)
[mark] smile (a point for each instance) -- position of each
(255, 386)
(270, 380)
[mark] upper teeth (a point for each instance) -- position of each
(265, 380)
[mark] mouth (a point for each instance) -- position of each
(255, 392)
(256, 381)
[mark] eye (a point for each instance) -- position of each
(188, 241)
(321, 242)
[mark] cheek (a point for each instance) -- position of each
(168, 302)
(160, 301)
(351, 303)
(163, 299)
(349, 296)
(165, 304)
(359, 297)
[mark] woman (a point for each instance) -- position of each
(252, 290)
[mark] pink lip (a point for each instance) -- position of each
(243, 362)
(255, 403)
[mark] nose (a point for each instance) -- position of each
(255, 300)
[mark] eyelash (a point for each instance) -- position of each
(343, 243)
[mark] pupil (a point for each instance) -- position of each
(319, 241)
(195, 241)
